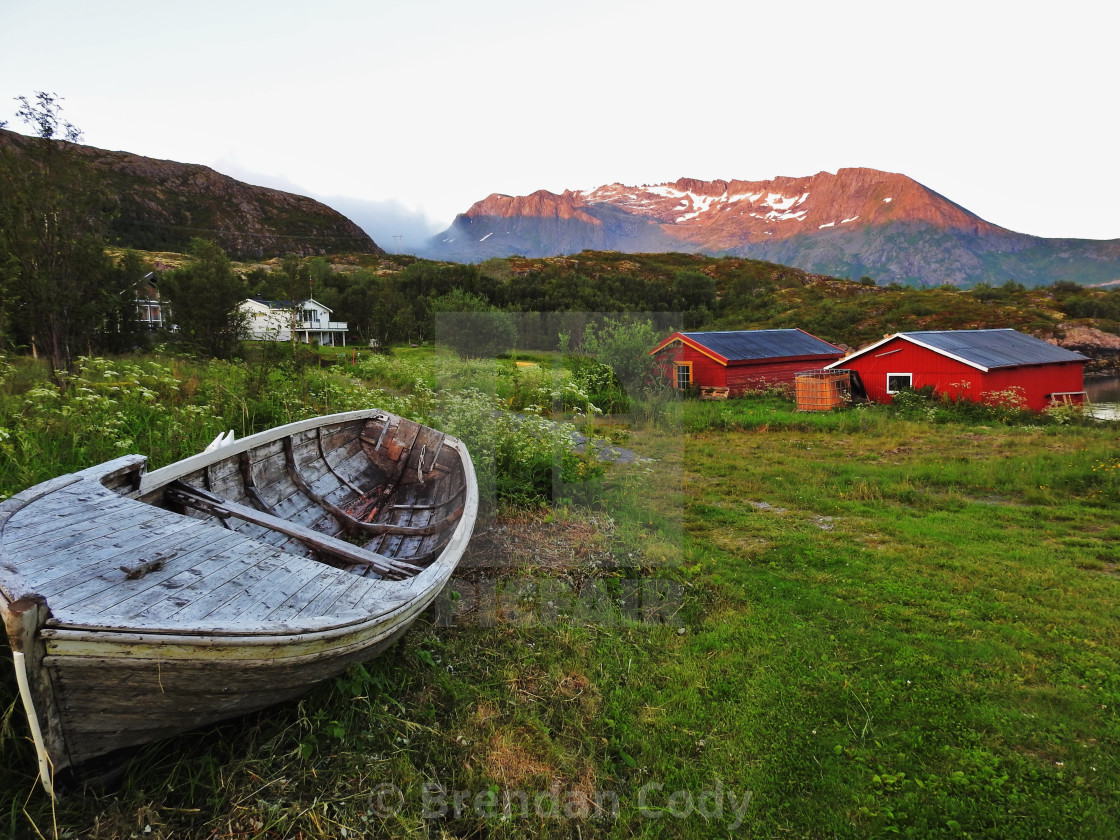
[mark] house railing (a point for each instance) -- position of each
(322, 325)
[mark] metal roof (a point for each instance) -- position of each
(989, 349)
(741, 345)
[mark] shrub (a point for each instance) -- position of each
(471, 327)
(515, 457)
(599, 382)
(913, 402)
(624, 346)
(393, 371)
(1006, 406)
(1063, 414)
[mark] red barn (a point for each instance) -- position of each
(743, 360)
(970, 364)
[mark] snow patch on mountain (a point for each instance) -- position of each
(675, 205)
(778, 216)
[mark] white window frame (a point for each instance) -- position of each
(909, 376)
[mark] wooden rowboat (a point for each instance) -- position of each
(140, 605)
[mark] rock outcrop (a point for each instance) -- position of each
(1101, 347)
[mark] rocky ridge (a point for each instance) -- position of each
(1101, 347)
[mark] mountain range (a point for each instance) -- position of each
(854, 223)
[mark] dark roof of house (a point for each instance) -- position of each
(272, 304)
(993, 348)
(742, 345)
(983, 349)
(287, 304)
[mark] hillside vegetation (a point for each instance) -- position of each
(162, 205)
(390, 297)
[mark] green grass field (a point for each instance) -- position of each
(782, 626)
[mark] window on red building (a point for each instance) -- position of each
(897, 381)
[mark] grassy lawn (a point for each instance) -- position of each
(852, 625)
(929, 623)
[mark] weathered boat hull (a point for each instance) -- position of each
(142, 605)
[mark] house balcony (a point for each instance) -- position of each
(339, 326)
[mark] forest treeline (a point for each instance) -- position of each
(393, 299)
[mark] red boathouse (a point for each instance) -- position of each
(732, 363)
(979, 365)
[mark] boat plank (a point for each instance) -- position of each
(305, 485)
(267, 464)
(10, 508)
(276, 607)
(98, 572)
(39, 560)
(321, 543)
(293, 505)
(410, 516)
(248, 674)
(274, 586)
(259, 533)
(262, 600)
(169, 684)
(357, 467)
(189, 679)
(56, 571)
(318, 476)
(87, 523)
(266, 562)
(289, 503)
(298, 602)
(328, 487)
(335, 451)
(294, 509)
(31, 523)
(208, 572)
(386, 591)
(111, 593)
(212, 573)
(324, 603)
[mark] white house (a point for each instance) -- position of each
(274, 320)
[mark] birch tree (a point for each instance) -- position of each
(54, 217)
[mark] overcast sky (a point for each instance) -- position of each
(402, 113)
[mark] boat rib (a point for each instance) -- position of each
(193, 497)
